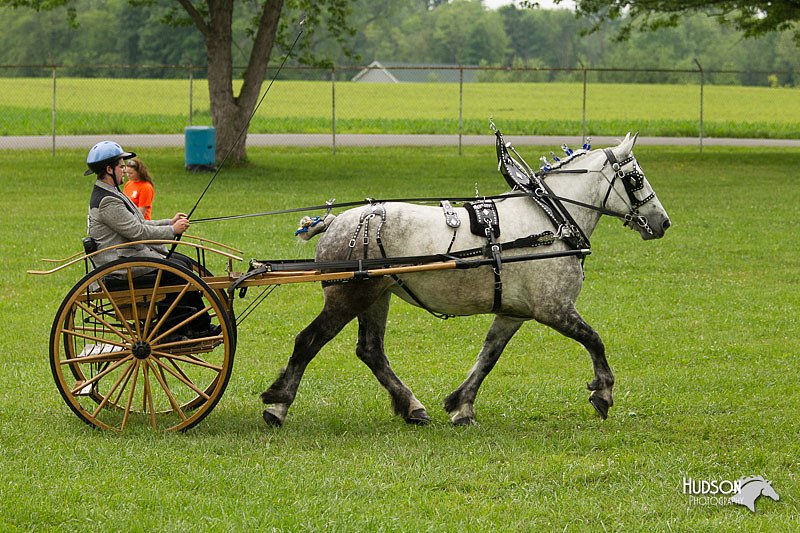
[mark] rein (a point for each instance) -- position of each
(366, 201)
(632, 181)
(539, 192)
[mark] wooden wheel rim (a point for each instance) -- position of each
(114, 371)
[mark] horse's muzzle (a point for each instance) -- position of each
(659, 232)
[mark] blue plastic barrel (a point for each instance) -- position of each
(200, 147)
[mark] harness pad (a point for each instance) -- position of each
(482, 216)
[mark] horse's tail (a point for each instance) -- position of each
(309, 227)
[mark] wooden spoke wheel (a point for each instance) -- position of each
(142, 341)
(222, 294)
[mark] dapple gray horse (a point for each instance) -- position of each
(543, 290)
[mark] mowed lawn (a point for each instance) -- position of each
(86, 106)
(701, 330)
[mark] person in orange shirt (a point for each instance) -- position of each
(139, 187)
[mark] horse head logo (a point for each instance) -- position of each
(751, 489)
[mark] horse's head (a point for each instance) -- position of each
(768, 491)
(630, 194)
(750, 489)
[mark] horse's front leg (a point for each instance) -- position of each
(569, 323)
(370, 349)
(459, 405)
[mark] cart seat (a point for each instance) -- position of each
(115, 282)
(145, 281)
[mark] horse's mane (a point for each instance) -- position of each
(569, 160)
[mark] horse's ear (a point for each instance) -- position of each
(623, 149)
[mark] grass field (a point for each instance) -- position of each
(162, 106)
(701, 329)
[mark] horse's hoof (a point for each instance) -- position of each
(272, 420)
(600, 405)
(464, 421)
(418, 417)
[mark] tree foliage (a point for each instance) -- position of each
(753, 18)
(409, 31)
(262, 25)
(234, 40)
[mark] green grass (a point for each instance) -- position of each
(701, 329)
(162, 106)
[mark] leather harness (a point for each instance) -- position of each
(484, 220)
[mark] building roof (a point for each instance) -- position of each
(378, 72)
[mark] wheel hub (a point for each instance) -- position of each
(141, 349)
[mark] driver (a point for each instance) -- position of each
(114, 219)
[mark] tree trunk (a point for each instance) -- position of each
(231, 114)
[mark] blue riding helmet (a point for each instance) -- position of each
(103, 154)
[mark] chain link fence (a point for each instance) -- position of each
(59, 100)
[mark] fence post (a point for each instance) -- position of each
(460, 106)
(191, 93)
(53, 113)
(702, 84)
(333, 109)
(583, 108)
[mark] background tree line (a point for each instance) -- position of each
(422, 32)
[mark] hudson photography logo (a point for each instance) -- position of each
(744, 491)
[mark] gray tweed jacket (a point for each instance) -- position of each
(114, 219)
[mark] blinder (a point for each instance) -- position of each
(632, 181)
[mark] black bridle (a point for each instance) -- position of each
(520, 176)
(632, 181)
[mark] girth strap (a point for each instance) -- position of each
(485, 221)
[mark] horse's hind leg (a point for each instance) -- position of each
(459, 405)
(307, 344)
(569, 323)
(370, 349)
(342, 304)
